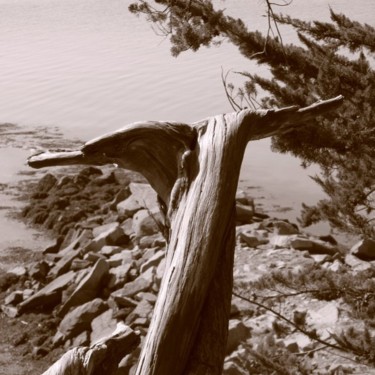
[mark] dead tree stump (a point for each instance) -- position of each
(195, 170)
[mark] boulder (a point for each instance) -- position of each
(88, 287)
(357, 264)
(110, 250)
(284, 228)
(18, 271)
(83, 339)
(143, 310)
(102, 326)
(237, 332)
(50, 294)
(244, 213)
(128, 207)
(39, 270)
(153, 261)
(14, 298)
(364, 249)
(133, 287)
(144, 194)
(112, 235)
(146, 222)
(79, 319)
(119, 275)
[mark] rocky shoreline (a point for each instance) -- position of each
(107, 261)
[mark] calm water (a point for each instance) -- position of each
(89, 67)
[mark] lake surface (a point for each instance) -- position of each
(89, 67)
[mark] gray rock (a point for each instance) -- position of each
(110, 250)
(325, 317)
(160, 271)
(128, 207)
(243, 198)
(133, 287)
(39, 270)
(251, 239)
(357, 264)
(10, 311)
(14, 298)
(144, 194)
(364, 250)
(143, 309)
(119, 275)
(87, 288)
(109, 234)
(153, 261)
(146, 296)
(231, 368)
(244, 213)
(79, 319)
(83, 339)
(18, 271)
(148, 275)
(145, 222)
(105, 228)
(302, 244)
(63, 265)
(49, 294)
(284, 228)
(237, 332)
(80, 264)
(102, 325)
(281, 241)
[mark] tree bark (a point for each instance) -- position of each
(100, 358)
(195, 170)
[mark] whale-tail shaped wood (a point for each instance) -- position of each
(194, 169)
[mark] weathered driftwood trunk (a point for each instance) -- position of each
(195, 170)
(98, 359)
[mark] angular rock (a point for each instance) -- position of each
(39, 270)
(80, 264)
(364, 249)
(325, 317)
(146, 296)
(110, 250)
(302, 244)
(10, 311)
(94, 257)
(153, 261)
(145, 222)
(119, 275)
(126, 256)
(88, 288)
(102, 325)
(144, 194)
(133, 287)
(280, 241)
(51, 293)
(79, 319)
(252, 240)
(63, 265)
(128, 207)
(244, 213)
(123, 301)
(14, 298)
(18, 271)
(160, 271)
(114, 235)
(237, 332)
(83, 339)
(284, 228)
(357, 264)
(148, 241)
(120, 197)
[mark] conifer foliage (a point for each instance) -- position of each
(332, 58)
